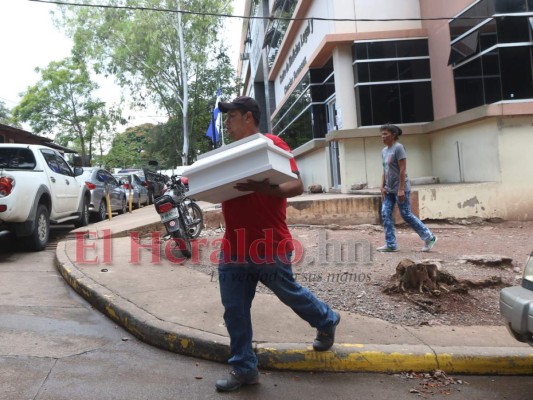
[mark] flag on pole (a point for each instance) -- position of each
(213, 131)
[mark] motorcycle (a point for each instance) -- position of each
(181, 216)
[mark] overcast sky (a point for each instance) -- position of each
(28, 40)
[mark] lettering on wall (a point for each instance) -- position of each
(294, 75)
(304, 36)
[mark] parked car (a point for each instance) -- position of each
(38, 188)
(516, 306)
(138, 185)
(97, 180)
(128, 170)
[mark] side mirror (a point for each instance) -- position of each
(78, 171)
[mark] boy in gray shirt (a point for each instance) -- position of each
(396, 189)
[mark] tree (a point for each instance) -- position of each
(5, 116)
(129, 148)
(4, 113)
(203, 92)
(63, 104)
(155, 54)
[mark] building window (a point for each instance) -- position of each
(492, 54)
(303, 116)
(392, 81)
(278, 27)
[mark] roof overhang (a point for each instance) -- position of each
(19, 135)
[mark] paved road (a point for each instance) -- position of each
(53, 345)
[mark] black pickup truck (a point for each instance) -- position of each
(155, 183)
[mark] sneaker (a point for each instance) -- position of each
(387, 249)
(236, 380)
(325, 339)
(429, 244)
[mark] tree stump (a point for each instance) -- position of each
(428, 276)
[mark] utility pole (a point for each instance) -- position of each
(213, 127)
(185, 86)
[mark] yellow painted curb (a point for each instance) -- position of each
(486, 364)
(348, 361)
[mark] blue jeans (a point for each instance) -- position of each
(238, 282)
(407, 215)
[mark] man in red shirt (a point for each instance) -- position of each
(257, 247)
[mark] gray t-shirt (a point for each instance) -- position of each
(391, 167)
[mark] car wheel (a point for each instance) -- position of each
(84, 217)
(123, 207)
(102, 211)
(38, 239)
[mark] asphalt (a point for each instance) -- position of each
(165, 302)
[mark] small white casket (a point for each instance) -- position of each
(212, 178)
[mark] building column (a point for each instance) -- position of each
(345, 104)
(344, 86)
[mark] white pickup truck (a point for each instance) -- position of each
(38, 188)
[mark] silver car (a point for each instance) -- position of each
(98, 180)
(137, 183)
(516, 306)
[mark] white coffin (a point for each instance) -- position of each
(212, 178)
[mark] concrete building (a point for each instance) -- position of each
(456, 75)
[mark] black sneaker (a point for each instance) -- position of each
(236, 380)
(325, 339)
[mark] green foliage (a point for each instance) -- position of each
(129, 149)
(203, 92)
(5, 114)
(163, 144)
(63, 104)
(141, 48)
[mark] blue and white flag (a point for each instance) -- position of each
(213, 132)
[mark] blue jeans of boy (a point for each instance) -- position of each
(407, 215)
(238, 282)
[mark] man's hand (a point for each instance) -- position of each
(401, 195)
(288, 189)
(263, 186)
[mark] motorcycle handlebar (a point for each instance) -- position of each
(175, 182)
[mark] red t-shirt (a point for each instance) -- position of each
(256, 223)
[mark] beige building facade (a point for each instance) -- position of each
(456, 76)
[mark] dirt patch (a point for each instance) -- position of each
(341, 266)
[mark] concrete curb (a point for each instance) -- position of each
(343, 357)
(143, 325)
(396, 358)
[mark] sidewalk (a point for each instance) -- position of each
(177, 308)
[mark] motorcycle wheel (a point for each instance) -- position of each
(195, 214)
(183, 240)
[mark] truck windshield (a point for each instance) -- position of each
(16, 158)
